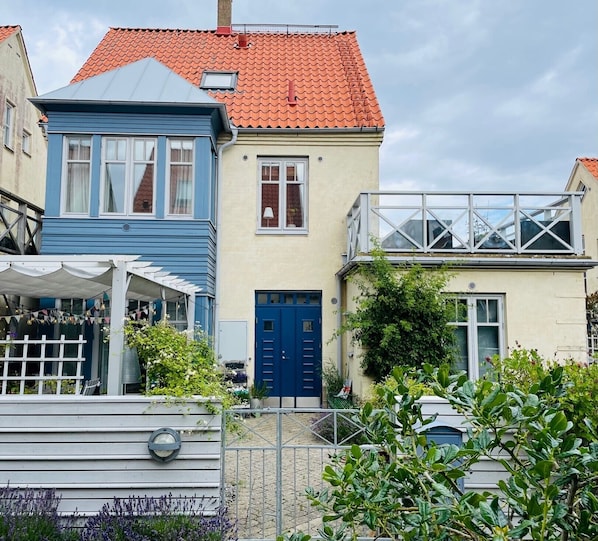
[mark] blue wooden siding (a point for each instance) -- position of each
(199, 122)
(186, 248)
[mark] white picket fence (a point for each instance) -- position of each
(42, 366)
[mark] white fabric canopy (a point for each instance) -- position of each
(87, 277)
(90, 277)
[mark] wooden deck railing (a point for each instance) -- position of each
(20, 225)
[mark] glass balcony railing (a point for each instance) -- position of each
(466, 223)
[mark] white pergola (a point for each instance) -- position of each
(89, 277)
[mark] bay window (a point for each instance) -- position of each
(128, 169)
(479, 328)
(282, 194)
(77, 175)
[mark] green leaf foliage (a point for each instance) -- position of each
(403, 486)
(177, 364)
(401, 317)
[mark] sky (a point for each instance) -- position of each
(477, 95)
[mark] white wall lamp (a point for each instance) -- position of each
(164, 444)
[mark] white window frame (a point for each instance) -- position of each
(170, 164)
(26, 142)
(9, 124)
(281, 223)
(475, 365)
(129, 163)
(218, 80)
(65, 174)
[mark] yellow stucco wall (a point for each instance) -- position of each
(589, 218)
(543, 310)
(21, 174)
(339, 168)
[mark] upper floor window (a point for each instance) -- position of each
(479, 328)
(180, 177)
(283, 194)
(128, 168)
(77, 175)
(9, 125)
(26, 142)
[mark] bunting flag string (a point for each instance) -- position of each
(55, 316)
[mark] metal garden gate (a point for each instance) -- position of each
(269, 461)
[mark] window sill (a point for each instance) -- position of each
(293, 231)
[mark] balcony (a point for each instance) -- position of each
(467, 224)
(20, 225)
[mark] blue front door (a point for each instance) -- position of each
(288, 347)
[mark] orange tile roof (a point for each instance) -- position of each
(591, 164)
(7, 31)
(331, 83)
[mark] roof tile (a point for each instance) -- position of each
(591, 164)
(332, 85)
(7, 31)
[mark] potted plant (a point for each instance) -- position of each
(257, 393)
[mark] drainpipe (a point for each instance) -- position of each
(220, 151)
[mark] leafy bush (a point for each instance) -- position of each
(157, 519)
(31, 515)
(176, 364)
(401, 317)
(526, 369)
(404, 486)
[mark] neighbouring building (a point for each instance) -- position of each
(23, 152)
(584, 179)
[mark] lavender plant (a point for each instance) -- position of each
(166, 518)
(32, 515)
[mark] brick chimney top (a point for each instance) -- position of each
(224, 26)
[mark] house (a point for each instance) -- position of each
(204, 175)
(584, 179)
(227, 158)
(23, 152)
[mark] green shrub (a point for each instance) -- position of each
(527, 369)
(401, 317)
(405, 486)
(176, 363)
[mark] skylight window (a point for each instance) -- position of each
(218, 80)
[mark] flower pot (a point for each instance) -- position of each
(256, 404)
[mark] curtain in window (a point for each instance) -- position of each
(77, 188)
(181, 173)
(77, 175)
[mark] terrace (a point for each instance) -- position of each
(466, 224)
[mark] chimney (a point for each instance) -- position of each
(224, 26)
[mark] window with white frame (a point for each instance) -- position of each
(283, 194)
(479, 329)
(180, 177)
(26, 142)
(9, 124)
(128, 175)
(76, 175)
